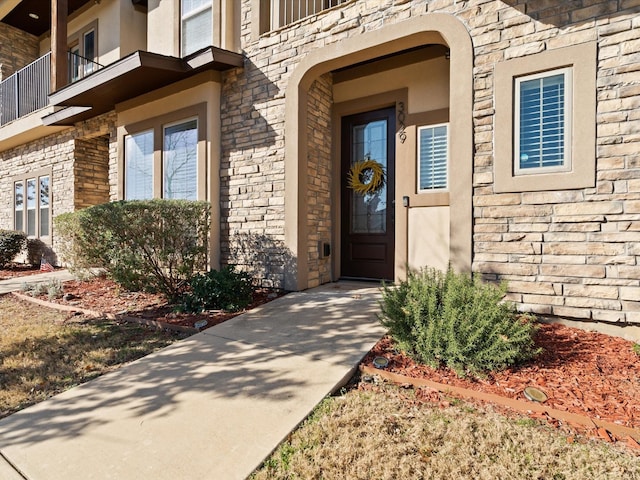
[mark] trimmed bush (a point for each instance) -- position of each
(218, 290)
(458, 321)
(149, 245)
(37, 250)
(11, 244)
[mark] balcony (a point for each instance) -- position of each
(285, 12)
(28, 89)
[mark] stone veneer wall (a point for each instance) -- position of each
(58, 152)
(18, 49)
(91, 170)
(571, 253)
(252, 171)
(319, 174)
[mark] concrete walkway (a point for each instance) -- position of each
(15, 284)
(210, 407)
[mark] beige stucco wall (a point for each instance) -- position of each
(427, 83)
(121, 29)
(428, 237)
(163, 28)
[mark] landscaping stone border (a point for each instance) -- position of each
(631, 435)
(111, 316)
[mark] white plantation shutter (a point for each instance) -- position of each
(433, 154)
(542, 121)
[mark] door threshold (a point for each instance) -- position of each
(364, 279)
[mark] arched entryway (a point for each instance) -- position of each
(315, 170)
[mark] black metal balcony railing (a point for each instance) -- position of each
(80, 67)
(28, 89)
(284, 12)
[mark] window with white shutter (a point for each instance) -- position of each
(542, 122)
(433, 157)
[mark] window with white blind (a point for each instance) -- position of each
(196, 25)
(433, 154)
(165, 156)
(138, 161)
(180, 160)
(542, 122)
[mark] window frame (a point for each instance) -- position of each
(184, 51)
(581, 136)
(566, 166)
(77, 43)
(419, 129)
(125, 169)
(196, 112)
(164, 151)
(23, 179)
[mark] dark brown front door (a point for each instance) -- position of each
(367, 244)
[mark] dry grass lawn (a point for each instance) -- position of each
(42, 354)
(367, 435)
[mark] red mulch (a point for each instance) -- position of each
(13, 270)
(583, 372)
(105, 296)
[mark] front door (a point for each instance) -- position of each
(367, 186)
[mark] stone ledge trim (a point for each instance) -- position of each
(518, 405)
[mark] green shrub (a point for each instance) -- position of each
(11, 243)
(458, 321)
(150, 245)
(36, 250)
(218, 290)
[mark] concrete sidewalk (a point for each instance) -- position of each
(210, 407)
(15, 284)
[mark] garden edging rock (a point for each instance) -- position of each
(111, 316)
(518, 405)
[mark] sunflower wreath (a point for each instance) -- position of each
(366, 176)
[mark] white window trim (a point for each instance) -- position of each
(23, 179)
(439, 189)
(568, 115)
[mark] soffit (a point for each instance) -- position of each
(19, 17)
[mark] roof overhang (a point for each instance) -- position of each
(129, 77)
